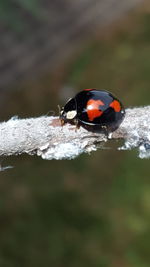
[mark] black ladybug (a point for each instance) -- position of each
(95, 110)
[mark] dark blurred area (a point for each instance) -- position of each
(92, 211)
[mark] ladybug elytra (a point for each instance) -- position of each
(94, 110)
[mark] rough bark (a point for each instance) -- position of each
(45, 137)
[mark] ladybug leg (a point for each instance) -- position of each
(62, 122)
(76, 122)
(105, 130)
(77, 127)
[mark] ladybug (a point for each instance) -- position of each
(95, 110)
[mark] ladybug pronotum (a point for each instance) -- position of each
(95, 110)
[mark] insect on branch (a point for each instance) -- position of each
(44, 136)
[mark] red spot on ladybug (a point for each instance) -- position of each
(93, 109)
(115, 105)
(89, 89)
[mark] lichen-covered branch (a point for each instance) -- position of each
(45, 137)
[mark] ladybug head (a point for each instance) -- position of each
(68, 113)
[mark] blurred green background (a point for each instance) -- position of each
(92, 211)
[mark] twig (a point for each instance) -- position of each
(45, 137)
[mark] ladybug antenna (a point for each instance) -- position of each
(59, 110)
(50, 112)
